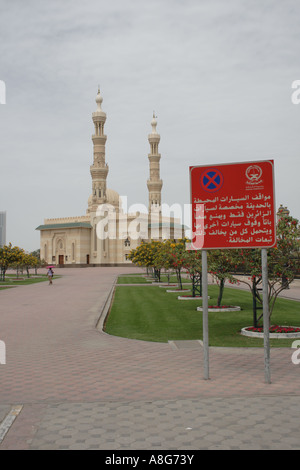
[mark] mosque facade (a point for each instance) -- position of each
(106, 234)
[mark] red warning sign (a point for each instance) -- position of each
(233, 205)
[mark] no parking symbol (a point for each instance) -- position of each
(211, 180)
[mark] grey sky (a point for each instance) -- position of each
(217, 73)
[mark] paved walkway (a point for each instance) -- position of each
(75, 387)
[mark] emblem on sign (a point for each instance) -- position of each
(253, 174)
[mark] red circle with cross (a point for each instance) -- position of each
(211, 180)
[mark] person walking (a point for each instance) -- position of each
(50, 274)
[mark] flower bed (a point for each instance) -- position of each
(276, 331)
(221, 308)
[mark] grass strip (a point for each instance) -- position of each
(14, 281)
(149, 313)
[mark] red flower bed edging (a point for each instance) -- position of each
(276, 331)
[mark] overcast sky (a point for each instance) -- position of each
(217, 73)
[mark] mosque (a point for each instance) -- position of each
(106, 234)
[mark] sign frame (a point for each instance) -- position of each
(215, 193)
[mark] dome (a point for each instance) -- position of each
(112, 197)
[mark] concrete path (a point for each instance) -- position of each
(76, 387)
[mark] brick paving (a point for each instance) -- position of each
(83, 389)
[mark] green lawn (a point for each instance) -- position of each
(150, 313)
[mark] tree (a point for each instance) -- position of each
(284, 257)
(193, 265)
(36, 253)
(29, 261)
(221, 265)
(169, 254)
(283, 262)
(38, 262)
(174, 253)
(155, 248)
(250, 264)
(146, 255)
(9, 255)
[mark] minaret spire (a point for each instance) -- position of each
(154, 183)
(154, 124)
(99, 169)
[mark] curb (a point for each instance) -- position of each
(105, 309)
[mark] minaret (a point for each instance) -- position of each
(154, 183)
(99, 169)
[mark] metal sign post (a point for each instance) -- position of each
(205, 314)
(266, 316)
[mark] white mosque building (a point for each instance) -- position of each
(106, 234)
